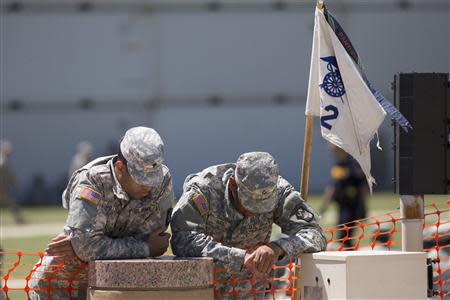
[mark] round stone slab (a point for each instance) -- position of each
(165, 272)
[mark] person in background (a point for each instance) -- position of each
(8, 182)
(82, 157)
(349, 189)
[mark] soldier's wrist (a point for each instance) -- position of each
(279, 252)
(146, 249)
(237, 259)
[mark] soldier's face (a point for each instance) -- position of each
(134, 190)
(232, 186)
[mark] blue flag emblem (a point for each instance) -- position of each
(332, 82)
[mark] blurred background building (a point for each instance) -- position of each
(215, 78)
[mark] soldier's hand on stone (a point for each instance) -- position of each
(158, 242)
(266, 256)
(248, 261)
(61, 247)
(250, 266)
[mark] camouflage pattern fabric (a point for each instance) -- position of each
(103, 223)
(143, 149)
(205, 223)
(256, 176)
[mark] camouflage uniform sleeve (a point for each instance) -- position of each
(85, 226)
(190, 239)
(298, 220)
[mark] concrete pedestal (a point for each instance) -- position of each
(360, 275)
(167, 277)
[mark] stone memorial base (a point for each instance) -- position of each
(166, 277)
(207, 293)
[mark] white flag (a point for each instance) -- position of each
(349, 113)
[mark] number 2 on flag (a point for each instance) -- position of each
(333, 116)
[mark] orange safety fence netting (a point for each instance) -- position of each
(382, 232)
(436, 243)
(23, 269)
(280, 285)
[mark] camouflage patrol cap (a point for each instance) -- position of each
(256, 177)
(143, 150)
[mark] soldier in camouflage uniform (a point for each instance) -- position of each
(227, 211)
(119, 207)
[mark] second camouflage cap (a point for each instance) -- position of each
(143, 149)
(257, 179)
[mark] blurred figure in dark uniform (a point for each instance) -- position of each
(82, 157)
(38, 193)
(349, 189)
(8, 182)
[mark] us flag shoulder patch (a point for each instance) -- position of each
(91, 196)
(200, 204)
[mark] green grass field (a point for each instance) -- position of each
(36, 215)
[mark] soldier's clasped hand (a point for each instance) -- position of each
(249, 265)
(158, 242)
(61, 247)
(266, 256)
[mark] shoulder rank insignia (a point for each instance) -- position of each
(200, 204)
(91, 196)
(302, 212)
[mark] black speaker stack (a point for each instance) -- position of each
(422, 155)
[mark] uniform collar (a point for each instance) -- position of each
(231, 212)
(118, 190)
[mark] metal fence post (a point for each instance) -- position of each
(412, 217)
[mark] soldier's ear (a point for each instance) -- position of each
(232, 183)
(120, 167)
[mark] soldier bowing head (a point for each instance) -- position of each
(139, 164)
(253, 186)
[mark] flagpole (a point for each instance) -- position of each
(307, 146)
(304, 182)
